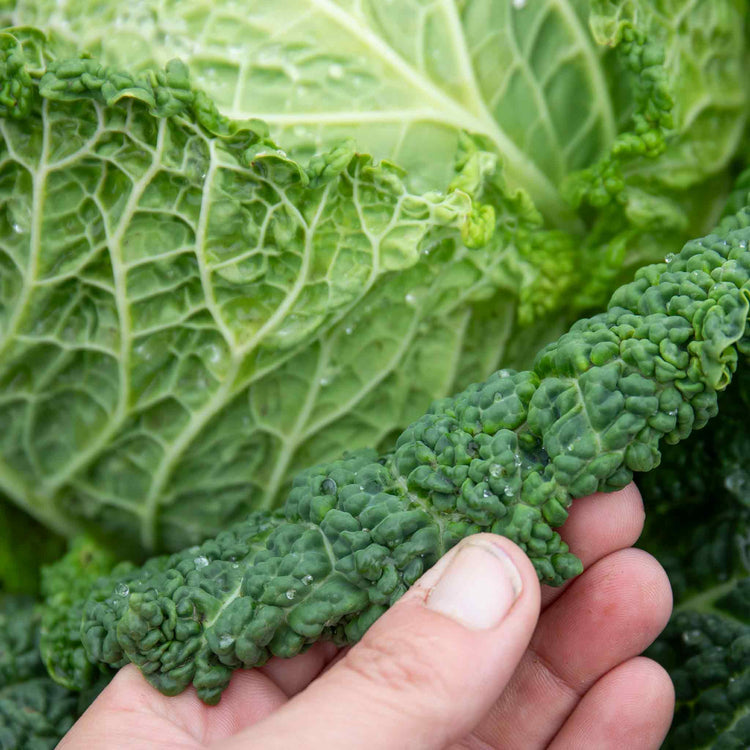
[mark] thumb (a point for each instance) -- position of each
(428, 671)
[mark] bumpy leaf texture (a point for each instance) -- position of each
(189, 316)
(35, 712)
(185, 309)
(64, 583)
(698, 526)
(507, 455)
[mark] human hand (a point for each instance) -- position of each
(464, 660)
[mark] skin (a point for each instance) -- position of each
(561, 670)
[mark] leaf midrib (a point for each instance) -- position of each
(520, 171)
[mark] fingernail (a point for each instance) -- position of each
(478, 587)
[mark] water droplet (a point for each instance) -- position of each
(410, 299)
(307, 580)
(324, 381)
(291, 593)
(672, 413)
(517, 460)
(349, 330)
(518, 4)
(496, 470)
(486, 493)
(122, 589)
(503, 373)
(736, 482)
(328, 486)
(691, 637)
(669, 257)
(336, 71)
(236, 565)
(214, 353)
(225, 641)
(17, 228)
(201, 561)
(509, 491)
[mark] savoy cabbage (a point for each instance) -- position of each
(698, 525)
(240, 236)
(190, 314)
(507, 455)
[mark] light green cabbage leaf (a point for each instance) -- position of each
(404, 78)
(189, 314)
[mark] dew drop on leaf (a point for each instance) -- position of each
(692, 637)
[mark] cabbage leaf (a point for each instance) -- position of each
(207, 283)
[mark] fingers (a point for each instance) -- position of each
(254, 694)
(250, 697)
(631, 706)
(293, 675)
(610, 614)
(598, 525)
(430, 668)
(128, 713)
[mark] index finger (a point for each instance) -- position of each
(598, 525)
